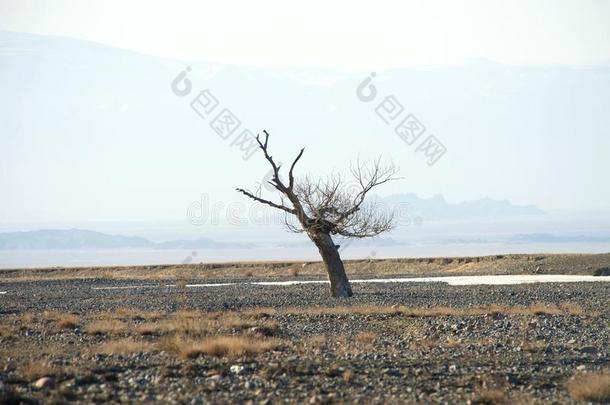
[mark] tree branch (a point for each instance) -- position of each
(275, 180)
(290, 175)
(262, 200)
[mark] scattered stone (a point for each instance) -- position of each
(44, 382)
(237, 369)
(431, 359)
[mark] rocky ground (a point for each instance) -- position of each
(65, 341)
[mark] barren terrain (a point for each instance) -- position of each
(412, 267)
(64, 340)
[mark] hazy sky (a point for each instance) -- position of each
(345, 35)
(93, 153)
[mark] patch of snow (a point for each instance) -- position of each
(451, 280)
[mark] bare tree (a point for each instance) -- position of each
(330, 206)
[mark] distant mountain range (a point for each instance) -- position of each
(549, 238)
(436, 208)
(413, 209)
(74, 239)
(521, 239)
(78, 239)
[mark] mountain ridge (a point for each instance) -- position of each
(437, 208)
(49, 239)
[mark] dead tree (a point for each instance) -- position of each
(330, 206)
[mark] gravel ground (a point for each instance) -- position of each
(325, 357)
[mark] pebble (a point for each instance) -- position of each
(44, 382)
(237, 369)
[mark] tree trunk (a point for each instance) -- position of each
(339, 284)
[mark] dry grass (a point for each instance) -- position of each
(543, 309)
(532, 345)
(572, 308)
(366, 338)
(124, 346)
(318, 340)
(532, 310)
(123, 313)
(312, 344)
(184, 325)
(183, 322)
(67, 321)
(220, 346)
(423, 344)
(265, 329)
(106, 326)
(196, 323)
(594, 387)
(489, 397)
(7, 330)
(146, 329)
(37, 369)
(27, 318)
(127, 314)
(152, 315)
(63, 320)
(504, 264)
(260, 312)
